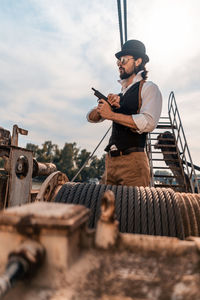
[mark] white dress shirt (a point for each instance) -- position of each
(148, 117)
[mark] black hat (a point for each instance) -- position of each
(135, 48)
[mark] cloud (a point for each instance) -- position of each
(53, 52)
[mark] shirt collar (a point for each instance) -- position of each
(123, 82)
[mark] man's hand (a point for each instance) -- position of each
(114, 100)
(104, 110)
(94, 116)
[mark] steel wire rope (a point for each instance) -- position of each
(87, 201)
(191, 213)
(197, 197)
(144, 217)
(70, 198)
(83, 194)
(108, 187)
(91, 155)
(93, 202)
(184, 213)
(124, 208)
(114, 190)
(192, 203)
(59, 196)
(171, 215)
(177, 213)
(196, 210)
(78, 193)
(156, 208)
(131, 209)
(67, 189)
(164, 212)
(137, 218)
(89, 195)
(150, 214)
(118, 204)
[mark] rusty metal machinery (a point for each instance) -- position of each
(90, 264)
(102, 263)
(19, 167)
(153, 211)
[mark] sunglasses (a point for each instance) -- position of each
(123, 60)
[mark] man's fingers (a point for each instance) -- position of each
(101, 101)
(115, 99)
(110, 95)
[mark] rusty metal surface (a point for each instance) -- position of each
(133, 267)
(19, 184)
(107, 226)
(16, 131)
(44, 215)
(51, 186)
(4, 136)
(140, 273)
(43, 169)
(3, 184)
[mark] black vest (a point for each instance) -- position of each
(122, 136)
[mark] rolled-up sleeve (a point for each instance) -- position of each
(148, 117)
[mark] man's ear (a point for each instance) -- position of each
(138, 62)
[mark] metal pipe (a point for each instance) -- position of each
(120, 22)
(43, 169)
(125, 21)
(23, 261)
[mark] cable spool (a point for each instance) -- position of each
(140, 210)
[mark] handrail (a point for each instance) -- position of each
(181, 142)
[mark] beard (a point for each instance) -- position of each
(126, 75)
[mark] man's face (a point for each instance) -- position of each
(128, 66)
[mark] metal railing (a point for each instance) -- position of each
(181, 143)
(179, 158)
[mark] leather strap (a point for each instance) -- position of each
(126, 151)
(140, 96)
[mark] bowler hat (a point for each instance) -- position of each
(135, 48)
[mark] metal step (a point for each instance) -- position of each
(164, 176)
(166, 126)
(167, 168)
(156, 132)
(165, 152)
(160, 168)
(168, 185)
(161, 139)
(164, 146)
(160, 159)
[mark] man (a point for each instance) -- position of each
(134, 113)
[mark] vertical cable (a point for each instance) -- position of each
(125, 21)
(120, 21)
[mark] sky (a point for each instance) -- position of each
(53, 51)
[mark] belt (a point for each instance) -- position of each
(126, 151)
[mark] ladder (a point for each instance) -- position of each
(169, 156)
